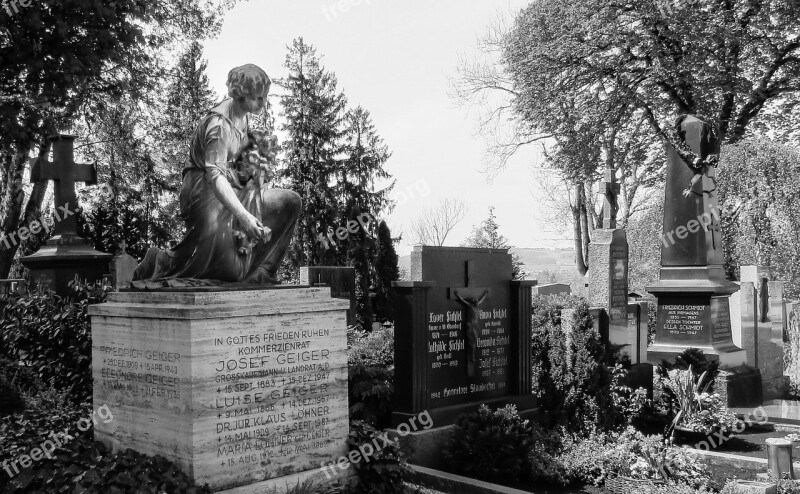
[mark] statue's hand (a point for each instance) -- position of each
(254, 229)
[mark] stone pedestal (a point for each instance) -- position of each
(743, 321)
(63, 258)
(241, 389)
(607, 280)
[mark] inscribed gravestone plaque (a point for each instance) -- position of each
(235, 387)
(463, 333)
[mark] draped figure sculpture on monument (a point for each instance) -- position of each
(237, 228)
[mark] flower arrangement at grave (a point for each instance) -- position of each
(698, 410)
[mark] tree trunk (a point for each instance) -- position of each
(15, 198)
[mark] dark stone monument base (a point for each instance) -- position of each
(641, 376)
(657, 353)
(776, 388)
(64, 257)
(740, 386)
(695, 314)
(526, 406)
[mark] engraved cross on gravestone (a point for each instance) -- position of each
(471, 297)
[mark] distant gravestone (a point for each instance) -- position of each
(743, 321)
(462, 334)
(12, 286)
(552, 289)
(340, 279)
(122, 267)
(692, 291)
(770, 324)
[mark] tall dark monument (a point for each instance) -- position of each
(693, 292)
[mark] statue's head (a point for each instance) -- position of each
(248, 81)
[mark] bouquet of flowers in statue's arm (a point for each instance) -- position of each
(256, 168)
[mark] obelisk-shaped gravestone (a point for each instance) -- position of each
(693, 292)
(607, 278)
(66, 255)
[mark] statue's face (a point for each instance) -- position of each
(254, 104)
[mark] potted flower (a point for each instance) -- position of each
(700, 413)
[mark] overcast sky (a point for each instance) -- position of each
(395, 58)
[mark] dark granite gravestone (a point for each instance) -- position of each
(66, 254)
(462, 334)
(692, 291)
(340, 279)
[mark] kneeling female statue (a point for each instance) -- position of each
(237, 228)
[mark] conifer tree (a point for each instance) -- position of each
(313, 109)
(386, 271)
(487, 235)
(364, 155)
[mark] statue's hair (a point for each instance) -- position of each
(247, 80)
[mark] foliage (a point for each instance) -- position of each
(52, 336)
(697, 409)
(313, 112)
(644, 241)
(760, 213)
(16, 382)
(487, 235)
(68, 61)
(365, 155)
(386, 469)
(370, 358)
(695, 360)
(490, 445)
(80, 463)
(386, 271)
(572, 370)
(630, 454)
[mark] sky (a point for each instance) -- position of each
(395, 59)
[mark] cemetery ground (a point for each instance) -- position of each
(590, 432)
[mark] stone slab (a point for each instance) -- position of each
(448, 482)
(234, 387)
(287, 484)
(750, 487)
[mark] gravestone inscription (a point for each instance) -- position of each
(462, 333)
(242, 389)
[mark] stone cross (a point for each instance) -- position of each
(610, 189)
(64, 173)
(471, 297)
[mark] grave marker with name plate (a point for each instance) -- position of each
(693, 292)
(241, 389)
(462, 334)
